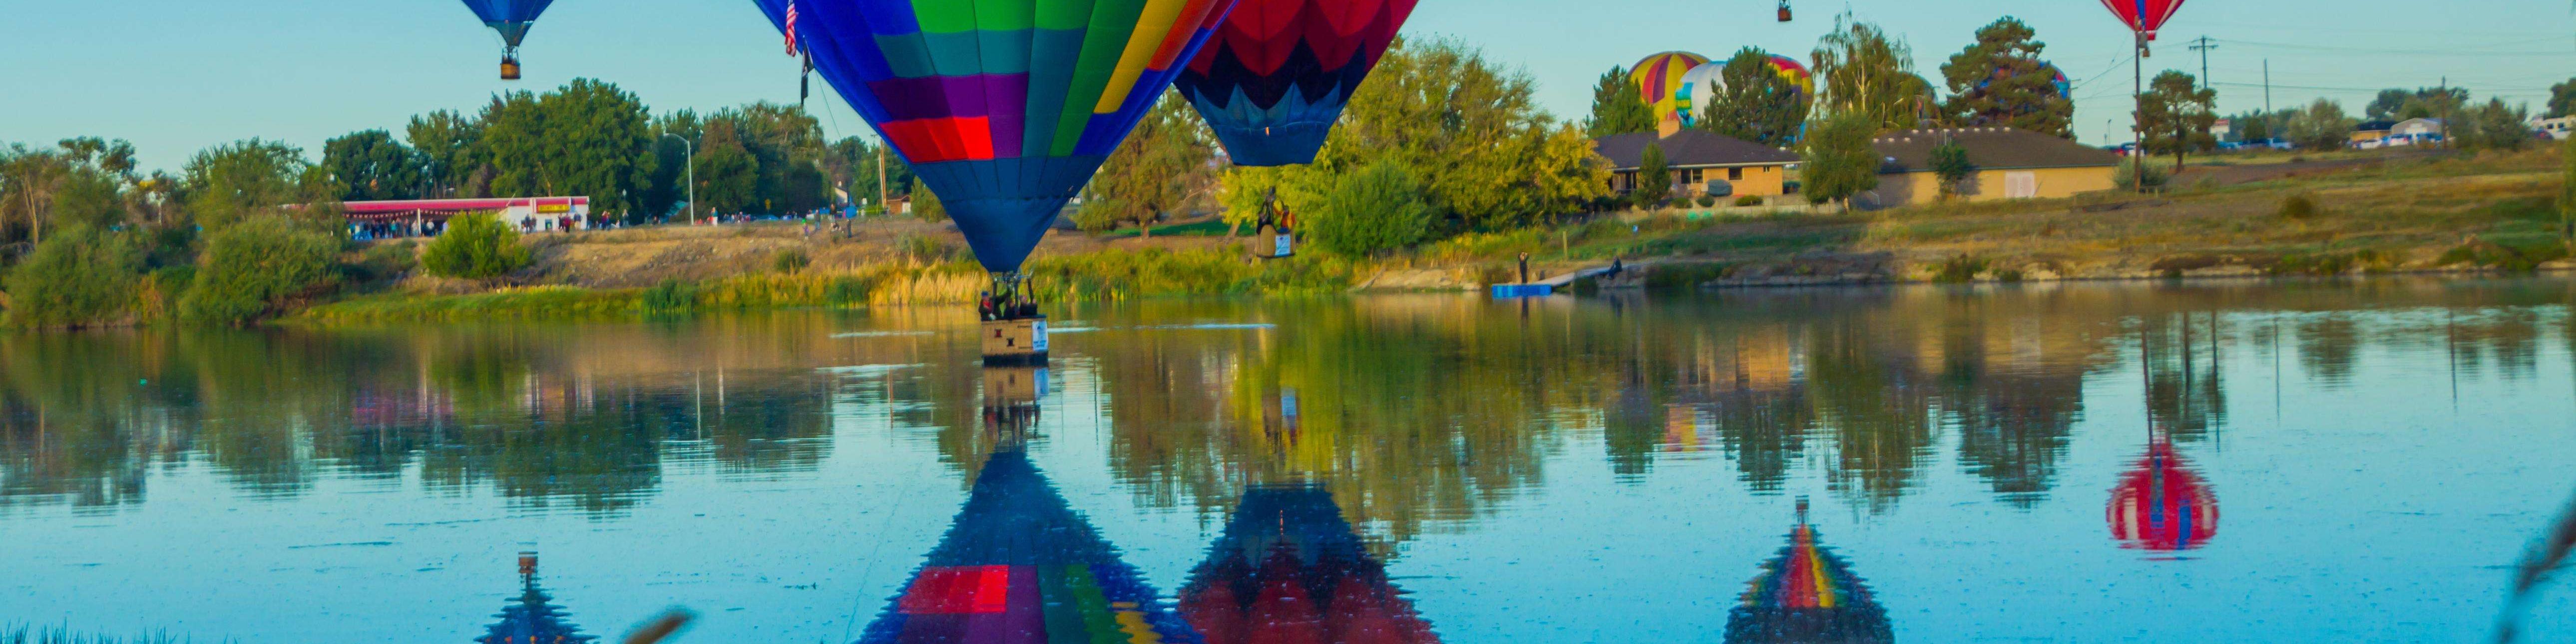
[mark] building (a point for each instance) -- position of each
(2416, 132)
(2556, 128)
(426, 216)
(2011, 164)
(2371, 131)
(2223, 130)
(1702, 162)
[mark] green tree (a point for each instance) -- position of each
(780, 139)
(2176, 113)
(925, 203)
(2321, 126)
(1377, 209)
(1161, 169)
(1863, 71)
(88, 196)
(450, 154)
(587, 138)
(235, 181)
(2387, 104)
(251, 268)
(853, 161)
(80, 277)
(1757, 104)
(1468, 129)
(1839, 160)
(2567, 195)
(29, 179)
(2000, 81)
(675, 135)
(2493, 126)
(372, 166)
(1951, 165)
(475, 246)
(2562, 99)
(1654, 178)
(2435, 102)
(1616, 107)
(728, 174)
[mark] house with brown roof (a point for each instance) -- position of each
(1702, 162)
(2010, 164)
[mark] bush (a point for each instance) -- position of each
(475, 247)
(78, 277)
(789, 261)
(2127, 179)
(1376, 209)
(1097, 215)
(2299, 206)
(922, 247)
(669, 297)
(846, 291)
(385, 261)
(925, 204)
(251, 266)
(1707, 201)
(1748, 200)
(1960, 269)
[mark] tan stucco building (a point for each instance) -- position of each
(2011, 164)
(1700, 160)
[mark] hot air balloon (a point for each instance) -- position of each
(1005, 108)
(1290, 570)
(532, 618)
(1807, 594)
(511, 18)
(1019, 566)
(1701, 85)
(2161, 504)
(1657, 77)
(2143, 17)
(1278, 73)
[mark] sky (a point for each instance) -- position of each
(176, 76)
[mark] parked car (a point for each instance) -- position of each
(1720, 188)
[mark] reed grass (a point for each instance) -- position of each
(23, 634)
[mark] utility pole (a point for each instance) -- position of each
(883, 206)
(2138, 115)
(2267, 86)
(692, 152)
(2203, 45)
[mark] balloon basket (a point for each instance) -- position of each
(1015, 342)
(1280, 245)
(509, 69)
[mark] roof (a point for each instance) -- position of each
(1689, 148)
(2374, 126)
(1989, 148)
(434, 205)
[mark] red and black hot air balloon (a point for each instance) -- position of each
(2161, 504)
(1289, 570)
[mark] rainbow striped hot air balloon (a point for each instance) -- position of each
(1277, 75)
(1659, 76)
(1808, 594)
(1019, 566)
(1005, 108)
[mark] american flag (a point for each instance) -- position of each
(791, 29)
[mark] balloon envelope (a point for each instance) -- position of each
(1278, 73)
(1659, 76)
(1701, 85)
(2143, 16)
(1004, 108)
(510, 17)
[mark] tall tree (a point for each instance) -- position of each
(675, 136)
(1161, 169)
(371, 165)
(1616, 107)
(2387, 103)
(235, 181)
(587, 138)
(2562, 99)
(2321, 126)
(2176, 113)
(728, 174)
(2435, 102)
(1867, 73)
(29, 180)
(2493, 126)
(1757, 104)
(1654, 178)
(1839, 160)
(450, 157)
(2000, 81)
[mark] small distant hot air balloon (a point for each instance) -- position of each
(1658, 76)
(511, 18)
(1807, 594)
(2161, 504)
(1004, 108)
(2143, 17)
(1278, 73)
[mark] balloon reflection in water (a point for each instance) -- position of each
(533, 618)
(1290, 570)
(1807, 594)
(2161, 504)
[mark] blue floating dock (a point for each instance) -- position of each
(1509, 291)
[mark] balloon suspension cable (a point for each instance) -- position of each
(1007, 298)
(805, 80)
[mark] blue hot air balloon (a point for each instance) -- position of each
(1280, 71)
(511, 18)
(1004, 108)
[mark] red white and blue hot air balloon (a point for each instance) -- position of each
(1278, 73)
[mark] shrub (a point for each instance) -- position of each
(1378, 208)
(1707, 201)
(1748, 200)
(922, 247)
(2127, 179)
(78, 277)
(250, 267)
(2299, 206)
(925, 203)
(1959, 269)
(1097, 215)
(669, 297)
(846, 291)
(475, 247)
(789, 261)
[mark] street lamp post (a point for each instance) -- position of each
(692, 152)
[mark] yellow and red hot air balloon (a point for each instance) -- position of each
(1659, 77)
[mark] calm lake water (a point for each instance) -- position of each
(2357, 461)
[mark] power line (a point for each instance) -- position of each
(2397, 52)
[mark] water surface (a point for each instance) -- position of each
(2358, 461)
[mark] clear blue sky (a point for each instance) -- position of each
(175, 76)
